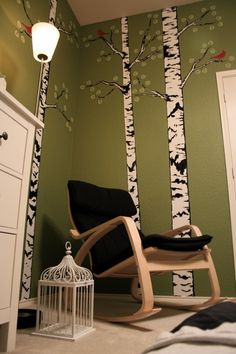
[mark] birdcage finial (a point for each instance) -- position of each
(68, 247)
(67, 270)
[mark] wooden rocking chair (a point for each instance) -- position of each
(101, 217)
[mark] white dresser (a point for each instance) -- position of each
(17, 131)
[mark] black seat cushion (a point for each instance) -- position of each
(176, 243)
(106, 254)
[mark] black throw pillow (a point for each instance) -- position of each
(176, 243)
(211, 317)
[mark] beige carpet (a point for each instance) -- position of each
(108, 338)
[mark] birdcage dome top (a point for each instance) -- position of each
(67, 270)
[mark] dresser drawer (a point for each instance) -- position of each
(12, 150)
(10, 189)
(7, 251)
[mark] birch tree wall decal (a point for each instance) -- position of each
(33, 190)
(181, 214)
(129, 121)
(182, 281)
(40, 111)
(142, 55)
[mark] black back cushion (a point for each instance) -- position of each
(91, 206)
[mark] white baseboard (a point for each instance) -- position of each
(28, 303)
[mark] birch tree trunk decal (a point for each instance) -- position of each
(129, 121)
(182, 281)
(125, 89)
(33, 190)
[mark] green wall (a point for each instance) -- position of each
(94, 149)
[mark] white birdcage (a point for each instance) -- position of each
(65, 300)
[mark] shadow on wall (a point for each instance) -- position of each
(9, 65)
(53, 240)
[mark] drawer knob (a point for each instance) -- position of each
(4, 135)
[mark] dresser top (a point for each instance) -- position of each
(12, 102)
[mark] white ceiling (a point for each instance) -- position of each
(94, 11)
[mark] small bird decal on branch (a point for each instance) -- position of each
(27, 29)
(101, 33)
(219, 56)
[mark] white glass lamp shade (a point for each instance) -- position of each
(44, 41)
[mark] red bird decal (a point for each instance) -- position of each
(219, 55)
(101, 33)
(28, 29)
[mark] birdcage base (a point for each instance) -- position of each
(61, 331)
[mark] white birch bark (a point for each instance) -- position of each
(33, 190)
(182, 281)
(129, 121)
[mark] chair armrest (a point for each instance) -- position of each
(102, 228)
(75, 234)
(142, 267)
(99, 231)
(194, 229)
(96, 233)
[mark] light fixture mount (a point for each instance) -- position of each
(42, 57)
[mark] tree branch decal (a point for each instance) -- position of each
(70, 32)
(144, 45)
(60, 106)
(198, 65)
(143, 55)
(113, 84)
(151, 93)
(196, 22)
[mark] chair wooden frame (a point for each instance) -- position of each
(145, 262)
